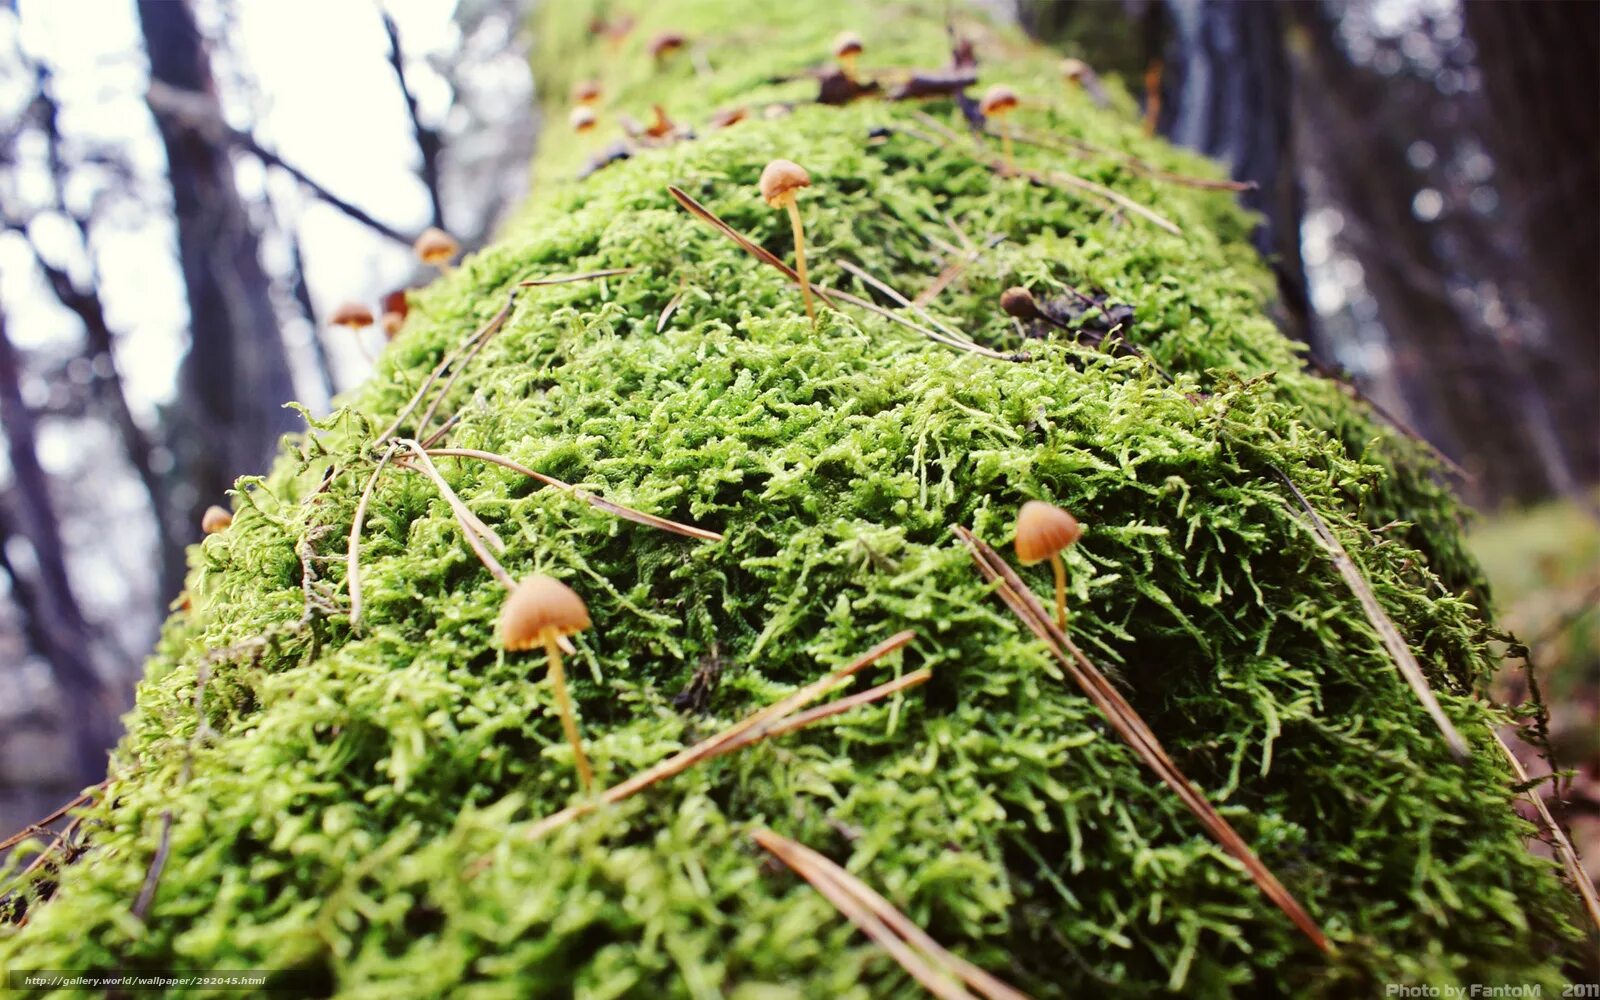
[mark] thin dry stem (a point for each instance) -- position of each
(1563, 846)
(566, 279)
(1399, 652)
(470, 525)
(1130, 726)
(779, 727)
(722, 742)
(927, 961)
(353, 552)
(487, 330)
(599, 503)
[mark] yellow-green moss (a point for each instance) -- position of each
(330, 821)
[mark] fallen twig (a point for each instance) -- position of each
(1399, 652)
(780, 727)
(476, 531)
(1069, 144)
(1130, 726)
(826, 294)
(488, 329)
(569, 278)
(926, 960)
(1563, 846)
(722, 742)
(352, 572)
(1056, 179)
(953, 271)
(600, 503)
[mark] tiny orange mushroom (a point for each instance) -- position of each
(781, 182)
(436, 247)
(1043, 532)
(1000, 101)
(666, 43)
(582, 119)
(586, 92)
(215, 519)
(847, 49)
(538, 613)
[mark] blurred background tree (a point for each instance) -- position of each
(188, 187)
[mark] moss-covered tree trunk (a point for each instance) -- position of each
(358, 804)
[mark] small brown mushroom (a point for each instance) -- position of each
(436, 247)
(353, 315)
(781, 181)
(666, 43)
(586, 92)
(847, 49)
(393, 316)
(729, 116)
(1018, 302)
(1043, 532)
(538, 613)
(999, 101)
(582, 119)
(215, 519)
(660, 126)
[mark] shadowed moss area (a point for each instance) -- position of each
(355, 807)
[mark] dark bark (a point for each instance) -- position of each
(1542, 90)
(52, 619)
(236, 375)
(1470, 362)
(99, 351)
(1226, 91)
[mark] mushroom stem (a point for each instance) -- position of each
(569, 722)
(800, 256)
(1061, 589)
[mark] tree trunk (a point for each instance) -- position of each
(53, 622)
(236, 376)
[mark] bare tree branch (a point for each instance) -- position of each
(197, 113)
(428, 142)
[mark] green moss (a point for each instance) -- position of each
(329, 818)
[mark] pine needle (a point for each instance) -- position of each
(599, 503)
(927, 961)
(1563, 846)
(566, 279)
(1130, 726)
(1399, 652)
(487, 330)
(353, 552)
(476, 531)
(723, 742)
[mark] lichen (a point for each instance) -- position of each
(352, 805)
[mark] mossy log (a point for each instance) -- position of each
(351, 804)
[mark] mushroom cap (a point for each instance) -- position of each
(215, 519)
(780, 178)
(1043, 529)
(392, 323)
(1019, 302)
(352, 314)
(435, 246)
(998, 99)
(538, 604)
(665, 42)
(660, 125)
(582, 118)
(847, 44)
(586, 91)
(1074, 69)
(395, 302)
(729, 116)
